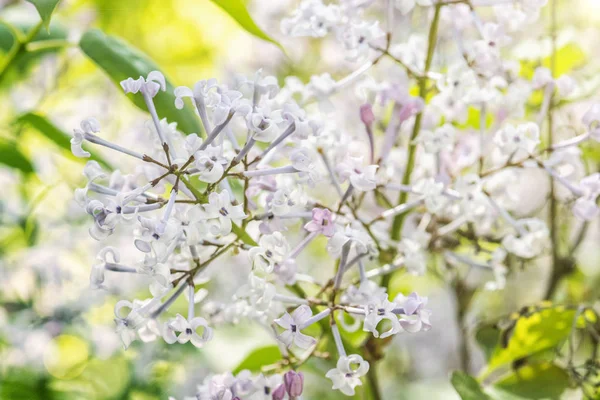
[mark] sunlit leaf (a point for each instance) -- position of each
(537, 381)
(467, 387)
(237, 10)
(12, 157)
(568, 58)
(542, 330)
(120, 61)
(56, 135)
(45, 8)
(259, 358)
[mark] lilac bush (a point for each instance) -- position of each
(443, 121)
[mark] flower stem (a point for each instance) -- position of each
(412, 146)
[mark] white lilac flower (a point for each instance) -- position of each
(106, 255)
(272, 249)
(586, 206)
(121, 208)
(259, 85)
(136, 318)
(265, 387)
(156, 239)
(161, 277)
(312, 18)
(88, 126)
(292, 324)
(565, 85)
(303, 127)
(181, 330)
(511, 139)
(432, 193)
(219, 214)
(357, 37)
(406, 6)
(486, 52)
(264, 124)
(210, 164)
(346, 376)
(149, 86)
(362, 178)
(541, 77)
(361, 241)
(415, 257)
(440, 139)
(202, 93)
(258, 292)
(378, 310)
(217, 387)
(321, 87)
(288, 200)
(591, 119)
(366, 293)
(227, 103)
(414, 315)
(533, 240)
(191, 145)
(302, 160)
(473, 203)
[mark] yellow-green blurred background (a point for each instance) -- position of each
(57, 337)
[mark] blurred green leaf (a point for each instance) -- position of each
(540, 331)
(56, 135)
(26, 56)
(259, 358)
(467, 387)
(45, 8)
(237, 10)
(487, 337)
(537, 381)
(12, 157)
(121, 61)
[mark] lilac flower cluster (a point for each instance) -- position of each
(269, 154)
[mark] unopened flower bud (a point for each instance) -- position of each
(294, 382)
(366, 114)
(279, 393)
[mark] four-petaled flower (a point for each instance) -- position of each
(293, 324)
(219, 213)
(322, 222)
(181, 330)
(362, 178)
(272, 249)
(346, 375)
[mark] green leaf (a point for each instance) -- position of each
(259, 358)
(23, 60)
(487, 337)
(12, 157)
(536, 381)
(56, 135)
(237, 10)
(45, 8)
(121, 61)
(467, 387)
(540, 331)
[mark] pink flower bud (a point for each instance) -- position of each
(366, 114)
(279, 393)
(294, 382)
